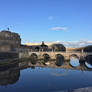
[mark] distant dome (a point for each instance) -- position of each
(58, 47)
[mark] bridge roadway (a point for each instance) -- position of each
(52, 54)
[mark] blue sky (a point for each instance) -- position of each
(48, 20)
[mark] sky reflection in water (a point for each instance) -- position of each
(74, 62)
(88, 65)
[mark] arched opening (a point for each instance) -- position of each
(59, 59)
(34, 58)
(74, 60)
(88, 62)
(74, 56)
(46, 57)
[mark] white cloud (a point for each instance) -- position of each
(75, 43)
(58, 28)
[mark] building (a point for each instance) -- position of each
(45, 47)
(9, 41)
(41, 47)
(58, 47)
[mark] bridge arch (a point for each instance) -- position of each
(74, 61)
(59, 59)
(74, 55)
(89, 59)
(34, 54)
(59, 55)
(73, 66)
(33, 58)
(46, 57)
(88, 66)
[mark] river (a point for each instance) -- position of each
(67, 77)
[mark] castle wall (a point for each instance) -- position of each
(9, 41)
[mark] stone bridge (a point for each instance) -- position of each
(52, 55)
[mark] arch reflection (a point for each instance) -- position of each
(74, 61)
(88, 62)
(33, 58)
(46, 58)
(74, 55)
(59, 60)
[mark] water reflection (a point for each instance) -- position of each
(88, 62)
(74, 62)
(9, 77)
(9, 74)
(89, 59)
(34, 58)
(46, 58)
(59, 60)
(88, 65)
(59, 73)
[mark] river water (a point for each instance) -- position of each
(26, 78)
